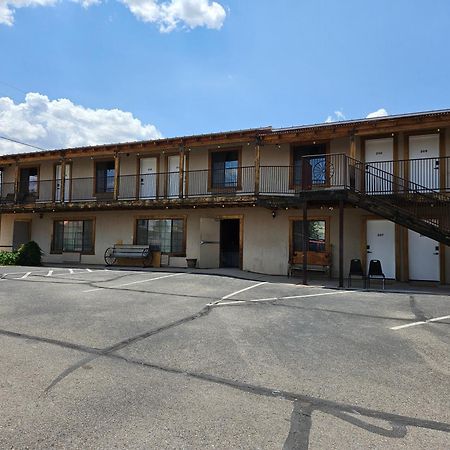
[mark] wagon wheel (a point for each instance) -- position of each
(148, 256)
(110, 259)
(322, 171)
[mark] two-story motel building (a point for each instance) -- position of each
(368, 189)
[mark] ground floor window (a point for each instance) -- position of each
(317, 236)
(167, 234)
(73, 236)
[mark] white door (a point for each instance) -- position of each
(379, 165)
(209, 243)
(173, 176)
(381, 245)
(58, 183)
(148, 178)
(424, 172)
(423, 255)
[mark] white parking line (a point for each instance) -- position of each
(25, 276)
(50, 273)
(243, 290)
(88, 270)
(271, 299)
(148, 280)
(436, 319)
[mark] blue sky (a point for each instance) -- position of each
(262, 63)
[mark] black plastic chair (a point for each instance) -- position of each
(356, 270)
(375, 271)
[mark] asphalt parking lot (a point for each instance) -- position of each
(123, 359)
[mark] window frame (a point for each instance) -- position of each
(238, 187)
(326, 219)
(38, 181)
(102, 161)
(72, 219)
(180, 217)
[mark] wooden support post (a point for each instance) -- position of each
(116, 175)
(305, 242)
(352, 146)
(16, 182)
(341, 243)
(181, 172)
(257, 167)
(63, 181)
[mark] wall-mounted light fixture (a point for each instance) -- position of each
(274, 214)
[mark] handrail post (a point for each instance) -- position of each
(305, 242)
(257, 166)
(116, 175)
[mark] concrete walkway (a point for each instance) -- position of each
(391, 285)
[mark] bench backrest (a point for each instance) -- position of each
(313, 258)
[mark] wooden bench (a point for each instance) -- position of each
(118, 252)
(317, 261)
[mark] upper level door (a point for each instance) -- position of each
(424, 161)
(58, 182)
(148, 178)
(173, 176)
(379, 155)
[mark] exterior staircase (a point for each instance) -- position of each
(408, 204)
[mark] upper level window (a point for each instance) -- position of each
(104, 176)
(73, 236)
(225, 169)
(309, 161)
(29, 180)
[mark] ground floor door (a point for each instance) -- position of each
(423, 256)
(230, 243)
(209, 243)
(173, 176)
(148, 178)
(381, 245)
(21, 233)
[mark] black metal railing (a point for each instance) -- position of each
(309, 173)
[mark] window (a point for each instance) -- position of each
(167, 234)
(104, 177)
(225, 169)
(317, 236)
(29, 180)
(73, 236)
(306, 162)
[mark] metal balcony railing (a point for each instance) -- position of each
(310, 173)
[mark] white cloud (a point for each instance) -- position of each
(168, 15)
(60, 124)
(338, 115)
(7, 8)
(378, 113)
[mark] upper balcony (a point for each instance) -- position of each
(229, 184)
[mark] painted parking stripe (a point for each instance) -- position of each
(243, 290)
(148, 280)
(25, 276)
(271, 299)
(422, 322)
(88, 270)
(50, 273)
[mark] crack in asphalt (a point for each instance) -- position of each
(418, 313)
(303, 405)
